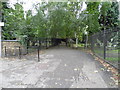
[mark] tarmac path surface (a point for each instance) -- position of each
(59, 67)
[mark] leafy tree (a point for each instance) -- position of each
(59, 20)
(13, 19)
(109, 15)
(92, 17)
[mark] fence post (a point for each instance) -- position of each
(27, 49)
(19, 52)
(39, 45)
(5, 52)
(104, 43)
(46, 43)
(27, 46)
(38, 54)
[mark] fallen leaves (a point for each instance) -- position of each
(65, 65)
(56, 83)
(116, 76)
(102, 69)
(96, 71)
(75, 69)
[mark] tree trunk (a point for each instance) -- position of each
(86, 41)
(76, 42)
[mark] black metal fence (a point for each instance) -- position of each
(31, 45)
(106, 45)
(14, 48)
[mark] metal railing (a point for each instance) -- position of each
(106, 45)
(21, 50)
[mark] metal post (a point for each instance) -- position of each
(0, 32)
(104, 41)
(27, 45)
(5, 51)
(84, 41)
(27, 49)
(46, 43)
(19, 52)
(38, 54)
(39, 49)
(0, 43)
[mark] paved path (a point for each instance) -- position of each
(60, 67)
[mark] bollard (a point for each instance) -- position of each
(5, 52)
(46, 42)
(104, 43)
(38, 55)
(27, 49)
(19, 53)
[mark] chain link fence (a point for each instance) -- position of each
(106, 45)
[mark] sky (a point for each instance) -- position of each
(28, 4)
